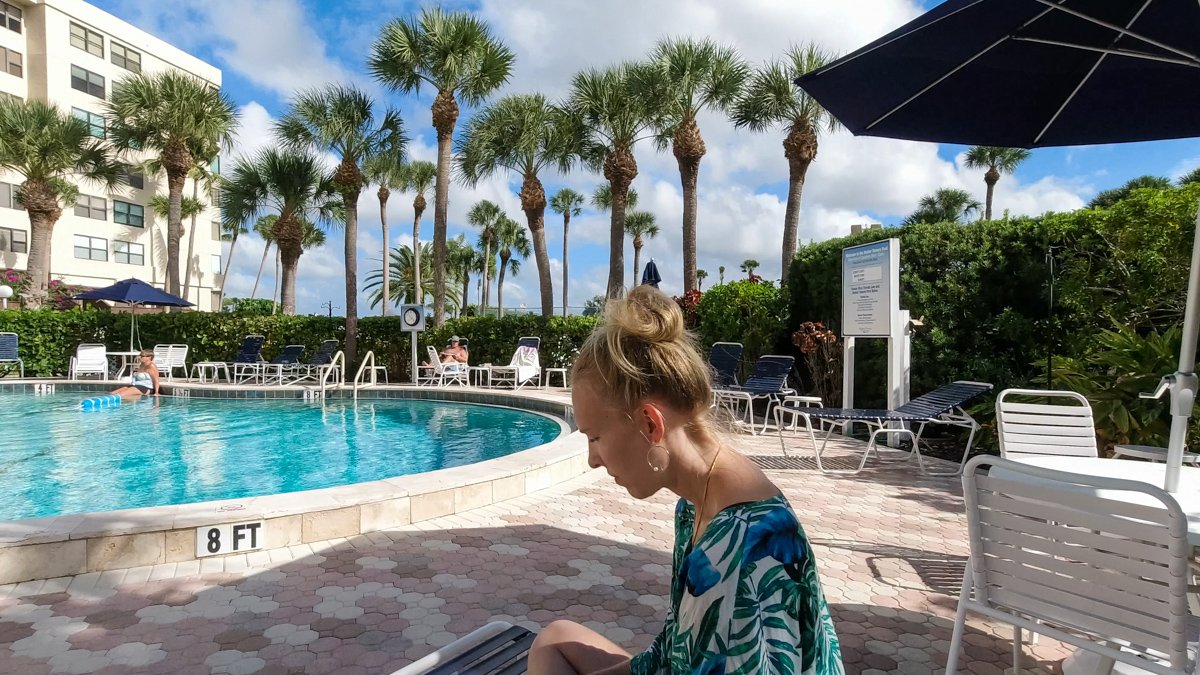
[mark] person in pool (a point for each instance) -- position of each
(144, 381)
(745, 596)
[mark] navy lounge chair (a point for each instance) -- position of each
(320, 358)
(8, 352)
(767, 381)
(943, 405)
(246, 365)
(725, 358)
(286, 362)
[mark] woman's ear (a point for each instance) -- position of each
(654, 425)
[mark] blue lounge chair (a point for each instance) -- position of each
(284, 363)
(943, 405)
(320, 358)
(767, 381)
(249, 358)
(8, 352)
(725, 358)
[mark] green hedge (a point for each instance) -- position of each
(48, 338)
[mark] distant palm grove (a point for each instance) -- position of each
(288, 195)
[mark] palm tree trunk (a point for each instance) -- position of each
(688, 148)
(500, 289)
(287, 297)
(420, 290)
(228, 263)
(466, 290)
(620, 168)
(487, 281)
(533, 203)
(41, 227)
(566, 227)
(175, 182)
(277, 291)
(637, 263)
(800, 149)
(187, 268)
(383, 198)
(261, 263)
(445, 114)
(350, 203)
(990, 178)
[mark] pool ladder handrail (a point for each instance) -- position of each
(336, 365)
(367, 366)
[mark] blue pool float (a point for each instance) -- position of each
(99, 402)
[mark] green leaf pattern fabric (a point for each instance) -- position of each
(746, 600)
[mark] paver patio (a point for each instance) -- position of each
(890, 545)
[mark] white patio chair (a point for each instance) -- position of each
(1097, 563)
(1045, 428)
(170, 357)
(440, 374)
(524, 368)
(89, 359)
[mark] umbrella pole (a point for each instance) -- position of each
(1183, 383)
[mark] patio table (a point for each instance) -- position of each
(128, 361)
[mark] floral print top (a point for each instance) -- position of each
(746, 599)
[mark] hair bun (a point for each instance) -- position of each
(646, 314)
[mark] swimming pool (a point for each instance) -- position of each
(56, 459)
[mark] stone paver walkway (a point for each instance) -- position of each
(890, 546)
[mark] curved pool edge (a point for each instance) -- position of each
(58, 546)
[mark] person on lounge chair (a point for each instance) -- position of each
(641, 396)
(454, 353)
(144, 381)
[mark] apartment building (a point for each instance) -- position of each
(71, 53)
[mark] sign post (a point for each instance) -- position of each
(871, 309)
(412, 321)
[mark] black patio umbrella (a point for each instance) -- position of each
(650, 275)
(1034, 73)
(135, 293)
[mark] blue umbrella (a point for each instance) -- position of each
(134, 292)
(1033, 73)
(650, 275)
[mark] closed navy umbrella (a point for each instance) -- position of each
(134, 292)
(1033, 73)
(650, 274)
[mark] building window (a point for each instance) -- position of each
(216, 264)
(10, 17)
(12, 62)
(133, 215)
(8, 196)
(87, 39)
(135, 179)
(217, 232)
(95, 122)
(87, 206)
(128, 253)
(13, 241)
(91, 248)
(125, 57)
(87, 81)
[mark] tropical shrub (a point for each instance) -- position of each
(752, 313)
(822, 358)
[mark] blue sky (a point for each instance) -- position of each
(269, 48)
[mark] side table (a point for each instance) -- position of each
(205, 369)
(551, 371)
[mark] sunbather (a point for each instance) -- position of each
(144, 381)
(455, 353)
(641, 395)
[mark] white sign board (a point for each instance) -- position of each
(229, 538)
(870, 289)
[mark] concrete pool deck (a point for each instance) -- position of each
(58, 546)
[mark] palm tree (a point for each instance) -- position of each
(748, 266)
(522, 134)
(721, 279)
(417, 177)
(180, 118)
(230, 233)
(190, 207)
(688, 76)
(201, 173)
(340, 119)
(511, 241)
(400, 278)
(386, 172)
(295, 185)
(568, 203)
(486, 215)
(701, 275)
(996, 161)
(613, 116)
(263, 227)
(602, 198)
(641, 226)
(949, 205)
(771, 98)
(456, 54)
(48, 147)
(462, 259)
(1107, 198)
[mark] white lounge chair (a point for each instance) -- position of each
(89, 359)
(1043, 428)
(524, 368)
(440, 374)
(170, 357)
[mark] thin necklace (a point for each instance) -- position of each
(704, 497)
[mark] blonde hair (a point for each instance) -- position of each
(641, 350)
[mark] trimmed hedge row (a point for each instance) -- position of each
(48, 338)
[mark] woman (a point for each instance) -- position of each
(745, 597)
(144, 381)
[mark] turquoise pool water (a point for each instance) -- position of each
(56, 459)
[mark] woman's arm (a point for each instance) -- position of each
(154, 377)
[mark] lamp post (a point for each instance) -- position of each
(6, 292)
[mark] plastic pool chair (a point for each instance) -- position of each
(524, 368)
(89, 359)
(170, 357)
(498, 647)
(725, 358)
(440, 374)
(8, 352)
(768, 381)
(283, 364)
(321, 358)
(1044, 428)
(247, 365)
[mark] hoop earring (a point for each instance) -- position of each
(656, 468)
